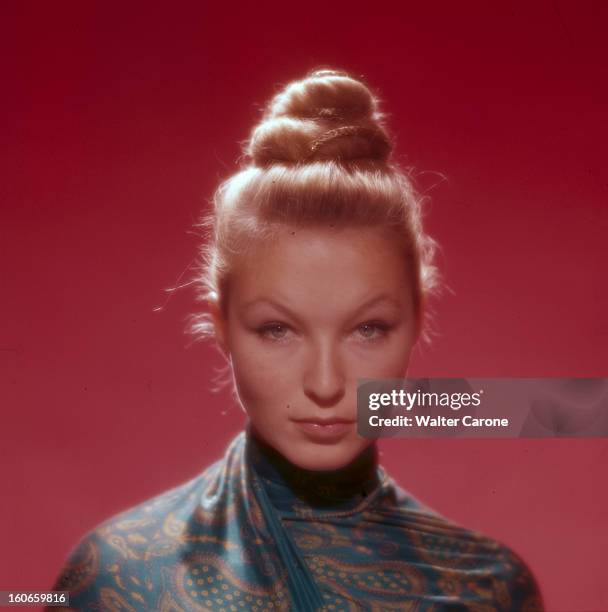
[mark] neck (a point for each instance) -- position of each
(292, 488)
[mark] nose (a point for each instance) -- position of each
(324, 381)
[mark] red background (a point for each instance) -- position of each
(121, 118)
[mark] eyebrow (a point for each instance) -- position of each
(383, 298)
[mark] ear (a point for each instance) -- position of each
(219, 324)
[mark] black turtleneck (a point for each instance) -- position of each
(294, 489)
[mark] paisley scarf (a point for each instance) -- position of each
(255, 532)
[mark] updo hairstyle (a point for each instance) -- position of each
(320, 157)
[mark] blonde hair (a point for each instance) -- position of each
(320, 156)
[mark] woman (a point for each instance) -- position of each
(316, 274)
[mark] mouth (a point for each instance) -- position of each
(325, 430)
(324, 422)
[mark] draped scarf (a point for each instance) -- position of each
(255, 532)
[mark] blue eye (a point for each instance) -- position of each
(273, 331)
(370, 331)
(374, 330)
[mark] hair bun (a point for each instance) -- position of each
(326, 115)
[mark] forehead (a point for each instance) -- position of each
(312, 264)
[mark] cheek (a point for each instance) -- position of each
(398, 357)
(262, 378)
(387, 360)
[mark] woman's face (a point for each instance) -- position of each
(308, 315)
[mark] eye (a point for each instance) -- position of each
(373, 330)
(273, 331)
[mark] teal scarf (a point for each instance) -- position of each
(255, 532)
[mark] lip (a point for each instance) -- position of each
(329, 421)
(326, 430)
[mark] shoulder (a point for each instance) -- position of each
(506, 574)
(115, 565)
(460, 556)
